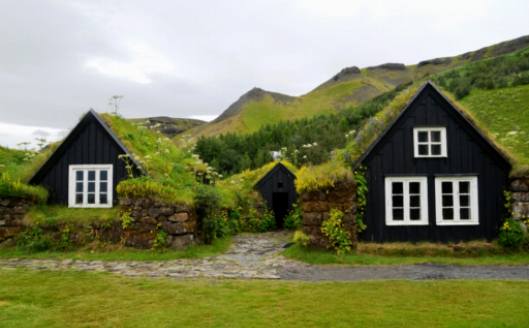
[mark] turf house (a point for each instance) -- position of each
(278, 189)
(433, 175)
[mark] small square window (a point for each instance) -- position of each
(464, 214)
(448, 201)
(91, 175)
(398, 201)
(448, 214)
(464, 187)
(447, 187)
(415, 201)
(415, 214)
(398, 214)
(430, 142)
(103, 175)
(79, 187)
(91, 198)
(415, 188)
(78, 198)
(103, 198)
(90, 185)
(79, 175)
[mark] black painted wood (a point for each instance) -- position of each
(278, 181)
(90, 142)
(469, 153)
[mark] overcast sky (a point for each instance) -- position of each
(194, 58)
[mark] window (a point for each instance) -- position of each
(456, 201)
(90, 185)
(406, 201)
(429, 142)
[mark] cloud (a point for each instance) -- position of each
(24, 136)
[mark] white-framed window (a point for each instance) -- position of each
(429, 142)
(406, 201)
(90, 185)
(456, 200)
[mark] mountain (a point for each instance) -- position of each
(169, 126)
(350, 87)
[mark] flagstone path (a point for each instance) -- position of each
(257, 256)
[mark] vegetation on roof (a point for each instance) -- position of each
(326, 175)
(171, 171)
(15, 168)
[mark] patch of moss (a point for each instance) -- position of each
(322, 176)
(51, 215)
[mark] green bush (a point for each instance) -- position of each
(207, 204)
(511, 234)
(11, 187)
(161, 240)
(253, 221)
(33, 239)
(301, 238)
(294, 219)
(332, 228)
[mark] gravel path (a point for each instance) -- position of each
(257, 257)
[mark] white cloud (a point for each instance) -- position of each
(12, 135)
(144, 62)
(207, 118)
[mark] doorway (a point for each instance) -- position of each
(280, 206)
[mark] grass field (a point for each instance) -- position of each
(314, 256)
(123, 254)
(75, 299)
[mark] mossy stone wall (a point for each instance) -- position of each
(315, 207)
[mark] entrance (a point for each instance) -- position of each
(280, 207)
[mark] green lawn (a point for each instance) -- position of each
(123, 254)
(314, 256)
(76, 299)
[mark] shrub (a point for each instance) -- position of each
(511, 234)
(207, 204)
(33, 239)
(126, 219)
(294, 219)
(11, 187)
(301, 238)
(161, 240)
(332, 228)
(253, 221)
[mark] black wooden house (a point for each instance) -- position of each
(86, 167)
(432, 175)
(278, 189)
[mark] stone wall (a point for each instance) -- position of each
(316, 205)
(12, 212)
(150, 217)
(520, 197)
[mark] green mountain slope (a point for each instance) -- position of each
(349, 88)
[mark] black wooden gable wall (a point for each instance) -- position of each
(90, 142)
(469, 153)
(278, 182)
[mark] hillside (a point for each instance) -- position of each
(348, 88)
(169, 126)
(494, 92)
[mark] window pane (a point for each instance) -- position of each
(78, 198)
(415, 214)
(91, 198)
(436, 150)
(398, 214)
(423, 149)
(91, 175)
(78, 186)
(397, 187)
(103, 198)
(447, 187)
(435, 136)
(398, 201)
(464, 200)
(79, 175)
(103, 175)
(448, 201)
(415, 188)
(464, 187)
(448, 214)
(103, 187)
(464, 214)
(91, 186)
(423, 136)
(415, 201)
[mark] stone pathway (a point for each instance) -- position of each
(256, 256)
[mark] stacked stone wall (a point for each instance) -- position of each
(316, 205)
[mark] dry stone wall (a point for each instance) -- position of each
(520, 197)
(149, 217)
(12, 212)
(316, 205)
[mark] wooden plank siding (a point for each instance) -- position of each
(469, 154)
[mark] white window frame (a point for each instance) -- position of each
(423, 181)
(85, 168)
(473, 199)
(429, 143)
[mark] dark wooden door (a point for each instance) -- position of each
(280, 207)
